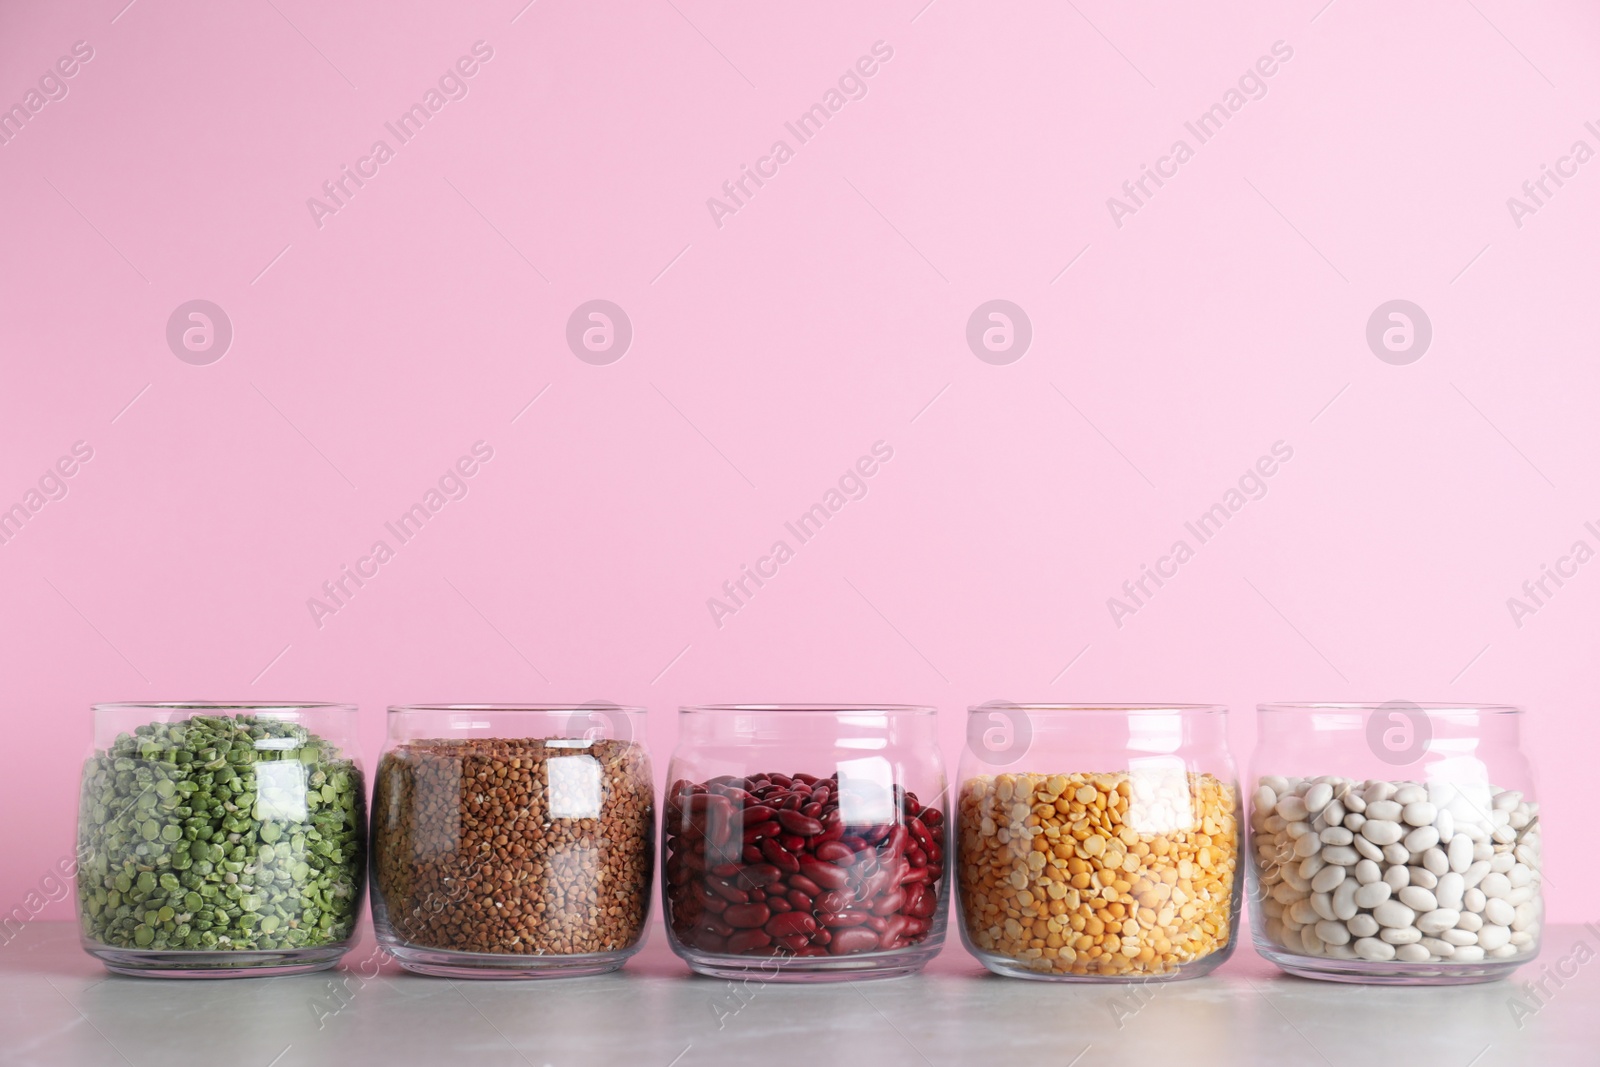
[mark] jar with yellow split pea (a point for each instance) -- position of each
(1098, 843)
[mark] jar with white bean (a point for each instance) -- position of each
(1427, 874)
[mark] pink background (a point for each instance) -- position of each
(768, 354)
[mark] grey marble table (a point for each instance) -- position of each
(57, 1006)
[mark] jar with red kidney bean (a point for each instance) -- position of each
(805, 842)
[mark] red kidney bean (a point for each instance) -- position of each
(847, 942)
(824, 874)
(745, 915)
(835, 852)
(760, 874)
(804, 885)
(719, 821)
(835, 900)
(794, 822)
(889, 903)
(775, 854)
(790, 924)
(732, 894)
(893, 929)
(767, 865)
(715, 925)
(747, 941)
(844, 918)
(915, 874)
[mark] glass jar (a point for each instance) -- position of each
(805, 842)
(1098, 843)
(1394, 843)
(221, 839)
(512, 840)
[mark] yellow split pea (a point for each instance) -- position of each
(1098, 874)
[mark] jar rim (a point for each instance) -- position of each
(728, 709)
(1294, 707)
(401, 709)
(1132, 709)
(268, 706)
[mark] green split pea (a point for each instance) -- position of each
(220, 833)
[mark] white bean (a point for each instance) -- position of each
(1384, 811)
(1421, 839)
(1414, 896)
(1395, 871)
(1393, 913)
(1438, 921)
(1372, 894)
(1419, 813)
(1499, 911)
(1328, 879)
(1367, 849)
(1449, 890)
(1370, 948)
(1492, 937)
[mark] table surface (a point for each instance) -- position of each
(58, 1006)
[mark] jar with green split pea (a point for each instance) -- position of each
(221, 839)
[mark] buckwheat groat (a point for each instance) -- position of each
(512, 846)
